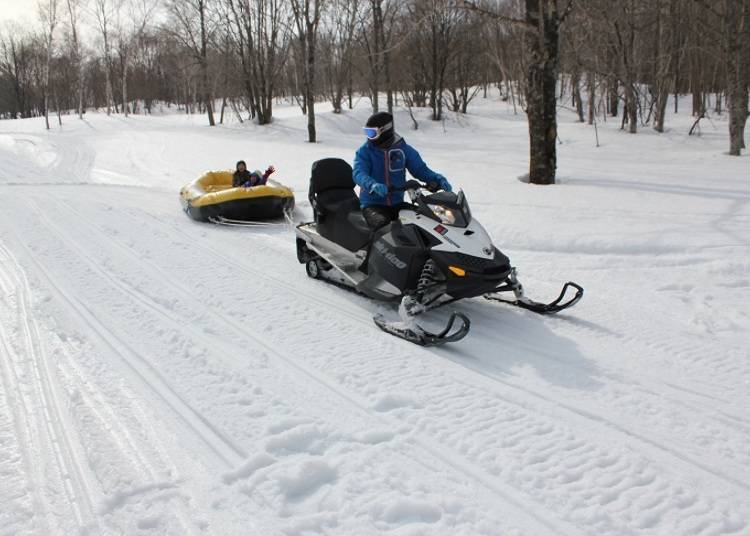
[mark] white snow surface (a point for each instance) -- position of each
(161, 376)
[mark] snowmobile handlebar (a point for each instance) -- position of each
(411, 184)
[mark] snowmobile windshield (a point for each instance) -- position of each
(449, 208)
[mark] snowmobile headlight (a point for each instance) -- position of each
(446, 215)
(460, 272)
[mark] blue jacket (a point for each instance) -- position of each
(388, 166)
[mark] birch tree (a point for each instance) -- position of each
(307, 15)
(105, 13)
(338, 40)
(194, 30)
(49, 18)
(136, 16)
(74, 10)
(16, 68)
(376, 26)
(260, 29)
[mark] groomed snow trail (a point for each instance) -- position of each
(160, 376)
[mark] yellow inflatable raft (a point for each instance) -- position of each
(212, 198)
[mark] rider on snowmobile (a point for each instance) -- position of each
(243, 177)
(380, 165)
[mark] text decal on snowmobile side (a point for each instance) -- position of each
(389, 255)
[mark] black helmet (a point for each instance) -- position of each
(237, 167)
(379, 128)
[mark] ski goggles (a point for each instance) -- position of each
(373, 133)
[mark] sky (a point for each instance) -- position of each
(27, 13)
(18, 10)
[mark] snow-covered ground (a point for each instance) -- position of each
(161, 376)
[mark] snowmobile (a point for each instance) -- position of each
(434, 254)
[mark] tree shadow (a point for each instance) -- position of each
(655, 187)
(730, 224)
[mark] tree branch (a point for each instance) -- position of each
(472, 6)
(568, 9)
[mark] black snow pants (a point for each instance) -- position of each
(377, 216)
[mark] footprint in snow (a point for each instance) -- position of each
(305, 479)
(395, 401)
(286, 424)
(307, 438)
(249, 468)
(374, 437)
(405, 511)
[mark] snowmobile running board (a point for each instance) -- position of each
(425, 338)
(537, 307)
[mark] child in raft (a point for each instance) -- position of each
(246, 179)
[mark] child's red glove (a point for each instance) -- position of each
(268, 172)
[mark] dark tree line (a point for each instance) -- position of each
(604, 59)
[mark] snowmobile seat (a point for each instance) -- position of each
(358, 222)
(336, 200)
(337, 212)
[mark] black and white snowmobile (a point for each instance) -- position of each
(435, 253)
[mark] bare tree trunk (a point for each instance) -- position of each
(592, 97)
(388, 86)
(736, 22)
(350, 90)
(631, 106)
(204, 64)
(662, 97)
(103, 13)
(677, 45)
(662, 76)
(73, 17)
(386, 68)
(46, 85)
(310, 84)
(575, 82)
(81, 81)
(434, 93)
(59, 113)
(107, 77)
(625, 33)
(614, 99)
(124, 84)
(376, 56)
(541, 103)
(307, 17)
(48, 14)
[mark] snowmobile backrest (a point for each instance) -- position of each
(331, 186)
(330, 173)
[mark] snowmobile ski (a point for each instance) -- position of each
(421, 337)
(541, 308)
